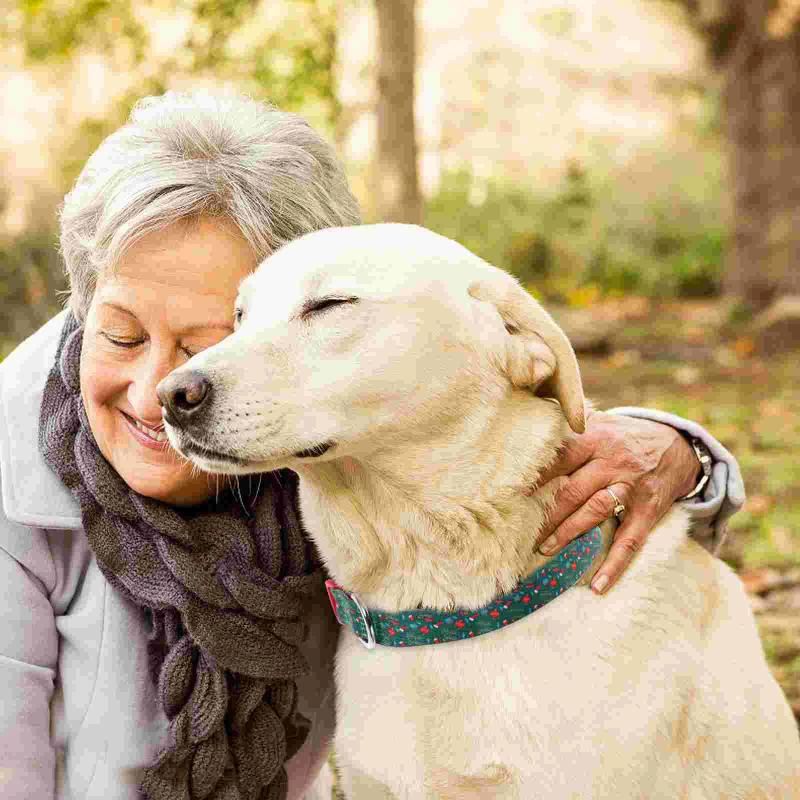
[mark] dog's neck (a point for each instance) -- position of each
(443, 522)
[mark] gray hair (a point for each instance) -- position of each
(183, 154)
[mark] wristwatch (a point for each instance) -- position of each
(704, 457)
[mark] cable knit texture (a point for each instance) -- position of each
(224, 587)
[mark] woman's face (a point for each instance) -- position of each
(171, 295)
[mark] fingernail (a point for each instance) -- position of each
(599, 584)
(549, 545)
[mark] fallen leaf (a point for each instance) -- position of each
(758, 503)
(761, 580)
(686, 375)
(624, 358)
(696, 334)
(725, 357)
(782, 539)
(744, 346)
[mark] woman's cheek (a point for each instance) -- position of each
(102, 375)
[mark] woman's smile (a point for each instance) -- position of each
(152, 436)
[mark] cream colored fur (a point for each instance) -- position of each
(431, 390)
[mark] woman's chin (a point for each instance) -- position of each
(177, 484)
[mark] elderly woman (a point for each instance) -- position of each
(164, 634)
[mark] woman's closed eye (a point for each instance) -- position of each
(122, 342)
(130, 344)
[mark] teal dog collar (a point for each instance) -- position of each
(427, 626)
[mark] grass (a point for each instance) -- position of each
(747, 402)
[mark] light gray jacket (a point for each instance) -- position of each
(78, 714)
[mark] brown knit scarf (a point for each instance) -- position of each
(224, 592)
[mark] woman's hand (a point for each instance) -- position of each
(647, 465)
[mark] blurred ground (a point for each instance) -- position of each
(684, 358)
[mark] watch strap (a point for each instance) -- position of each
(704, 457)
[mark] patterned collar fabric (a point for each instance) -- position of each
(427, 626)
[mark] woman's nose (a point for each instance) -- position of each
(182, 395)
(142, 391)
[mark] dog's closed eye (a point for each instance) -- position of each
(324, 303)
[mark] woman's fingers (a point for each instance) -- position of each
(628, 539)
(575, 490)
(589, 505)
(574, 452)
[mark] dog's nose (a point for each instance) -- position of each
(182, 395)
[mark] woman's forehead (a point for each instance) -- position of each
(127, 305)
(190, 245)
(203, 254)
(184, 276)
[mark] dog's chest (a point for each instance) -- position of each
(527, 693)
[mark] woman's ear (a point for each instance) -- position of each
(538, 354)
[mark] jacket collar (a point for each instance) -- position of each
(32, 494)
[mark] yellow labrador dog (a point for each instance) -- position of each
(411, 386)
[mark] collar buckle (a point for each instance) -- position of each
(366, 618)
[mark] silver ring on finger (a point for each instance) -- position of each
(619, 506)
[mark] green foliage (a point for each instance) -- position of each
(594, 234)
(287, 57)
(295, 70)
(557, 21)
(292, 66)
(56, 30)
(740, 314)
(31, 278)
(221, 18)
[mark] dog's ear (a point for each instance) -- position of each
(537, 353)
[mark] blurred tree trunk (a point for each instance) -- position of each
(756, 45)
(781, 103)
(397, 195)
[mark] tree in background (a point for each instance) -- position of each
(397, 193)
(756, 46)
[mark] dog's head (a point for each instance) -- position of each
(350, 339)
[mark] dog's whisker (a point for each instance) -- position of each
(239, 493)
(258, 488)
